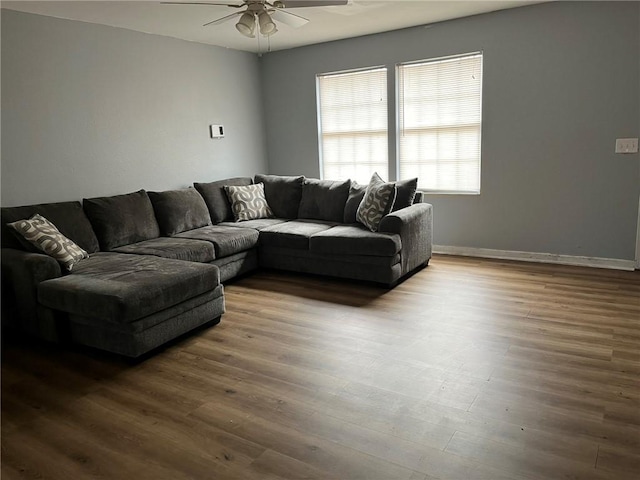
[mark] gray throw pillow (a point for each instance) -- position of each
(122, 219)
(248, 202)
(44, 235)
(356, 194)
(405, 193)
(216, 198)
(323, 199)
(179, 210)
(377, 202)
(283, 194)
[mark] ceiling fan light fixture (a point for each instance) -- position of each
(275, 30)
(267, 27)
(247, 24)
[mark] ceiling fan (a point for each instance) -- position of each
(262, 13)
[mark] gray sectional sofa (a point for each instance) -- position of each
(158, 260)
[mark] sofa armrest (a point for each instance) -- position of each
(21, 274)
(414, 224)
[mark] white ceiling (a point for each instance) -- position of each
(360, 17)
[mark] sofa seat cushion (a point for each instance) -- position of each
(355, 240)
(294, 234)
(259, 224)
(226, 240)
(150, 321)
(175, 248)
(121, 288)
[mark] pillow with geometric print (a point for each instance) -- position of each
(248, 202)
(44, 235)
(377, 202)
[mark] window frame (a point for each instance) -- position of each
(321, 148)
(398, 125)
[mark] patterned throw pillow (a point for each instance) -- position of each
(376, 203)
(44, 235)
(248, 202)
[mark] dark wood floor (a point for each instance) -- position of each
(471, 369)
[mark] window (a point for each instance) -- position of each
(353, 122)
(439, 123)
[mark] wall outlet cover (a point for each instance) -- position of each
(626, 145)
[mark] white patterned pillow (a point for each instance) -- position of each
(248, 202)
(44, 235)
(377, 202)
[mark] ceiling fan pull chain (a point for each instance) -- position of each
(259, 46)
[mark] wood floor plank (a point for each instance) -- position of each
(295, 443)
(471, 369)
(532, 464)
(277, 466)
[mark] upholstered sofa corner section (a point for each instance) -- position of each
(143, 293)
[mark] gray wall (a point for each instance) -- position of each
(90, 110)
(560, 84)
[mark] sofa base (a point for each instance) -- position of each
(238, 264)
(137, 343)
(409, 274)
(371, 269)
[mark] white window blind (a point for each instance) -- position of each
(439, 123)
(353, 124)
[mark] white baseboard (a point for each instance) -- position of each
(612, 263)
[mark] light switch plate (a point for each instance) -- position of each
(626, 145)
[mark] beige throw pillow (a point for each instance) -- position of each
(248, 202)
(44, 235)
(376, 203)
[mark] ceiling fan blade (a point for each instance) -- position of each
(288, 18)
(221, 4)
(310, 3)
(222, 19)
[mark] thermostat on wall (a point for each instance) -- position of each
(216, 131)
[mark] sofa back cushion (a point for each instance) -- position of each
(283, 194)
(216, 198)
(122, 219)
(323, 199)
(179, 210)
(68, 217)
